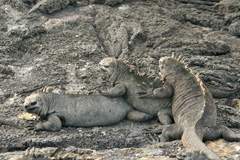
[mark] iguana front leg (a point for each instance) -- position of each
(116, 91)
(163, 92)
(53, 123)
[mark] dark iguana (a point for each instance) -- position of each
(50, 6)
(128, 84)
(193, 109)
(57, 110)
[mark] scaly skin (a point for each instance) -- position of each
(78, 110)
(128, 84)
(193, 109)
(50, 6)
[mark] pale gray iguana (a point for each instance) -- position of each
(57, 110)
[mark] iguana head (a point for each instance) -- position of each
(108, 64)
(170, 68)
(35, 104)
(115, 68)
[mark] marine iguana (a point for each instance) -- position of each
(50, 6)
(127, 84)
(193, 109)
(57, 110)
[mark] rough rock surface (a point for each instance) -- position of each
(60, 52)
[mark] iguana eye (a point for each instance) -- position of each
(33, 103)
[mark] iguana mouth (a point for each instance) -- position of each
(30, 108)
(106, 69)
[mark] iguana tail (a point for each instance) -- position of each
(192, 142)
(222, 93)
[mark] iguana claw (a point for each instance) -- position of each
(144, 94)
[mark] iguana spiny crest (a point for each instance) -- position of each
(172, 66)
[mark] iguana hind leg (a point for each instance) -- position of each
(138, 116)
(217, 132)
(171, 133)
(53, 123)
